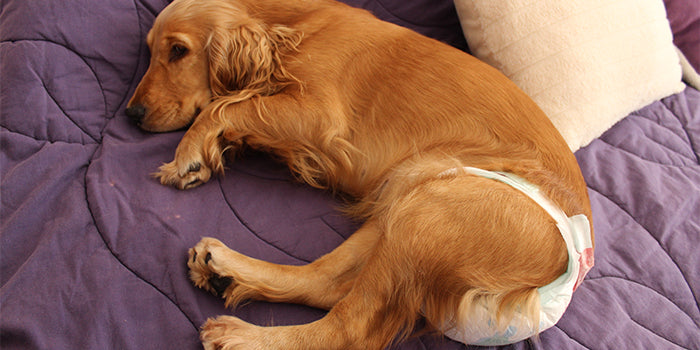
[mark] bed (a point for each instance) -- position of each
(93, 249)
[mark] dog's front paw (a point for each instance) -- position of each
(184, 174)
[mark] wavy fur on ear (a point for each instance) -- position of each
(248, 60)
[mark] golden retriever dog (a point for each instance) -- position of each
(393, 121)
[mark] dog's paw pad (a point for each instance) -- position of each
(220, 283)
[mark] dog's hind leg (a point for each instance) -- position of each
(383, 301)
(385, 298)
(237, 277)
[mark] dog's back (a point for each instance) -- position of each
(395, 95)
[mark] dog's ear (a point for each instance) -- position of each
(250, 57)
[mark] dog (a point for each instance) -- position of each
(465, 188)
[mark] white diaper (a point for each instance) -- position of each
(480, 327)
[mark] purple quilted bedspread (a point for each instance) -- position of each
(93, 250)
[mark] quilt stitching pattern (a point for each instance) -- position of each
(49, 93)
(683, 111)
(622, 206)
(603, 275)
(254, 233)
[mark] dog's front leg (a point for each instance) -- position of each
(225, 124)
(199, 153)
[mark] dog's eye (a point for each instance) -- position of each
(177, 52)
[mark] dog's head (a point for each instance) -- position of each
(202, 50)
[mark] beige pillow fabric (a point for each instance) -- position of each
(587, 63)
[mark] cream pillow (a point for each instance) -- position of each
(587, 63)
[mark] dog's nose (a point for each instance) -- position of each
(136, 113)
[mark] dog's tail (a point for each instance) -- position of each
(506, 305)
(481, 316)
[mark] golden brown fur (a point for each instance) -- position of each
(377, 112)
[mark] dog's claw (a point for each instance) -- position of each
(192, 184)
(194, 167)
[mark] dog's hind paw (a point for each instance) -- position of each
(223, 272)
(229, 333)
(205, 271)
